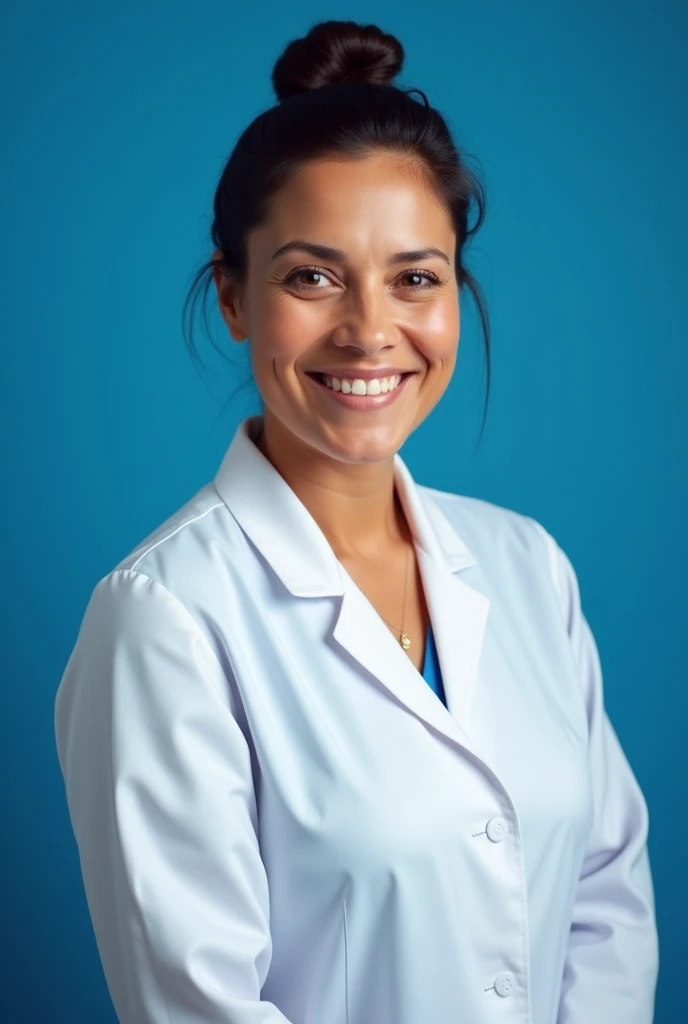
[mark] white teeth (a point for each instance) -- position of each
(376, 386)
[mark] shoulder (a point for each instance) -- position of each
(180, 531)
(183, 548)
(492, 531)
(515, 556)
(177, 568)
(515, 552)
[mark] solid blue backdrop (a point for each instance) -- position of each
(117, 121)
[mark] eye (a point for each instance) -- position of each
(430, 278)
(318, 272)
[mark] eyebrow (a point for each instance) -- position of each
(327, 252)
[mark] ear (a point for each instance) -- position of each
(229, 301)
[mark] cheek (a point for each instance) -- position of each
(441, 323)
(276, 338)
(284, 326)
(438, 332)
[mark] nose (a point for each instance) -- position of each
(366, 323)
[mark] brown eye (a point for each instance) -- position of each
(427, 275)
(313, 272)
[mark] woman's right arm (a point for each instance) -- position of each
(161, 800)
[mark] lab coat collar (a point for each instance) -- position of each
(287, 536)
(291, 540)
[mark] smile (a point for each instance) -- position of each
(360, 395)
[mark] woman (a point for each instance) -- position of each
(334, 742)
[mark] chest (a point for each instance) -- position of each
(358, 765)
(393, 586)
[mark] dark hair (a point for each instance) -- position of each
(336, 99)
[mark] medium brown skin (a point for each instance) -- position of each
(363, 312)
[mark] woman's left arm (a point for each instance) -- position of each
(612, 961)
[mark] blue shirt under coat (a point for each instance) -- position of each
(431, 667)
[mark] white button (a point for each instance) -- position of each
(496, 829)
(504, 983)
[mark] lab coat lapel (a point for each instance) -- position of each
(458, 615)
(287, 536)
(459, 619)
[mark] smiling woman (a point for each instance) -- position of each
(334, 742)
(341, 221)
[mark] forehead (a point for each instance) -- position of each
(383, 199)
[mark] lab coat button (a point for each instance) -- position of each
(504, 983)
(496, 829)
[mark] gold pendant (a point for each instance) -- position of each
(405, 642)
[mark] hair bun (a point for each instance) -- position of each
(337, 51)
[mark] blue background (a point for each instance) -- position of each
(117, 121)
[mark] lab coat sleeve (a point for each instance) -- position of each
(612, 960)
(160, 796)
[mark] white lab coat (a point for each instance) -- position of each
(279, 821)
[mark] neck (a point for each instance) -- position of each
(355, 505)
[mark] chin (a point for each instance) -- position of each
(361, 445)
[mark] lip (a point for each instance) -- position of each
(362, 403)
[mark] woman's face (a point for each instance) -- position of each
(363, 307)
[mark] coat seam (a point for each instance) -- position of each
(346, 963)
(168, 536)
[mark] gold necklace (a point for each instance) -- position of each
(403, 638)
